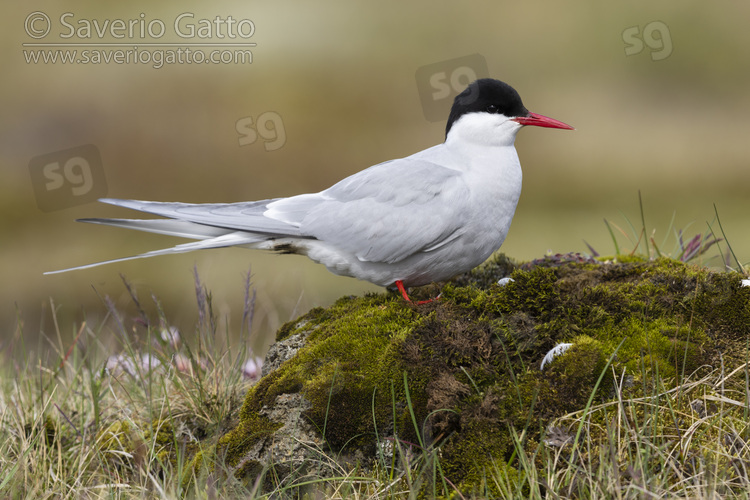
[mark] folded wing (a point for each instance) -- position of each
(382, 214)
(385, 213)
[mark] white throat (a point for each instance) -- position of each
(484, 129)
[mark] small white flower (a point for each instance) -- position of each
(504, 281)
(149, 362)
(171, 335)
(122, 363)
(119, 364)
(182, 363)
(252, 368)
(554, 352)
(745, 282)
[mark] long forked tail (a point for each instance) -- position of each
(225, 232)
(225, 240)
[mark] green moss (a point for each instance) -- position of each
(197, 465)
(161, 432)
(472, 358)
(250, 469)
(250, 429)
(48, 429)
(118, 436)
(315, 316)
(352, 352)
(476, 456)
(625, 259)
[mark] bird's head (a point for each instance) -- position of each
(491, 112)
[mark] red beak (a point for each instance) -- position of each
(541, 121)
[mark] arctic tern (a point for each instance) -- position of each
(404, 223)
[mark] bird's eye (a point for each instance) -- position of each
(492, 109)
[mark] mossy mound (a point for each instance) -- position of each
(466, 368)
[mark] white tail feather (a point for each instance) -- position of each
(225, 240)
(170, 227)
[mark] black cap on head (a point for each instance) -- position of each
(486, 95)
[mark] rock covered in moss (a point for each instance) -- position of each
(463, 373)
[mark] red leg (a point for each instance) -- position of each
(400, 286)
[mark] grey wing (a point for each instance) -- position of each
(385, 213)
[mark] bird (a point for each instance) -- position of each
(402, 223)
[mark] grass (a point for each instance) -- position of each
(86, 420)
(70, 428)
(80, 422)
(665, 445)
(644, 242)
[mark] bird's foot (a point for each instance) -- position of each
(402, 289)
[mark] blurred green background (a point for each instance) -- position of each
(670, 120)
